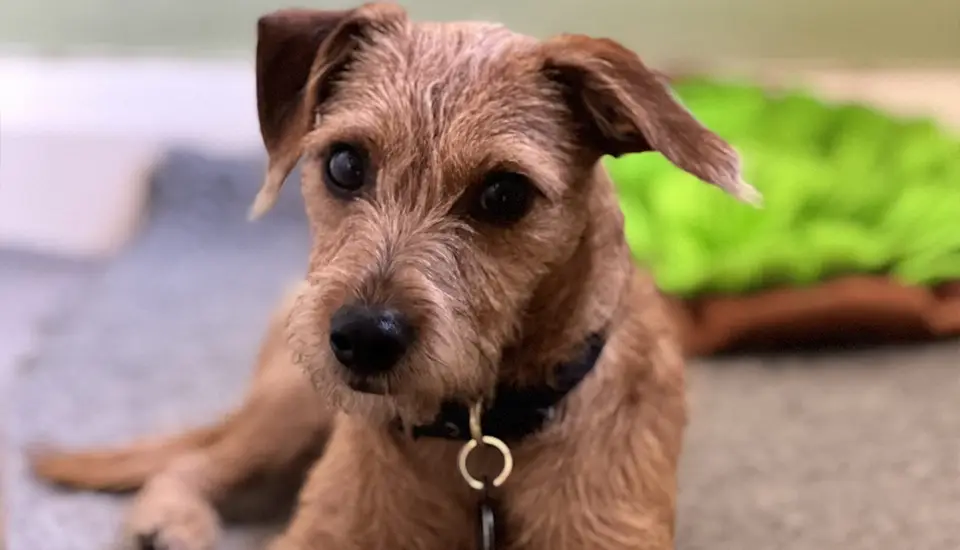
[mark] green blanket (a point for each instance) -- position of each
(847, 189)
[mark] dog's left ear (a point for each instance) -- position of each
(300, 52)
(624, 107)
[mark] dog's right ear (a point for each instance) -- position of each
(299, 54)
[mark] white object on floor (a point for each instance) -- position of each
(79, 135)
(72, 194)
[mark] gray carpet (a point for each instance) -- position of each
(859, 451)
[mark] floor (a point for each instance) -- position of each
(32, 290)
(844, 451)
(856, 450)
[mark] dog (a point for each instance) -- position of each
(473, 359)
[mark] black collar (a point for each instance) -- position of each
(516, 412)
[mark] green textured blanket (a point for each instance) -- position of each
(847, 189)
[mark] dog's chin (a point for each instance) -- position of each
(380, 402)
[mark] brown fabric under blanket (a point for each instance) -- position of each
(849, 310)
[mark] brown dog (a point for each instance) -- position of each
(468, 255)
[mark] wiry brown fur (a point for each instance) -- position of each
(437, 106)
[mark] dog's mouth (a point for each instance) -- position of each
(373, 386)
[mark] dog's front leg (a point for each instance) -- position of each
(278, 431)
(371, 490)
(187, 479)
(274, 436)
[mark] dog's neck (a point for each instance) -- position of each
(517, 411)
(573, 313)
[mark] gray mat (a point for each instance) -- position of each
(846, 452)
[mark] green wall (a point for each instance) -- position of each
(863, 31)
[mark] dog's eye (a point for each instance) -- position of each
(345, 171)
(504, 198)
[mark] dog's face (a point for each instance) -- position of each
(446, 169)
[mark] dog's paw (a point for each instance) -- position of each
(169, 516)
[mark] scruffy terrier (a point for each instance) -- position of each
(473, 360)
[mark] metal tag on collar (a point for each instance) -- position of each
(486, 517)
(486, 521)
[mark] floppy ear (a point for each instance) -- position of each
(299, 54)
(624, 107)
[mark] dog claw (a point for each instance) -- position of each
(169, 517)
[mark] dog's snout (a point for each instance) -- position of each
(369, 340)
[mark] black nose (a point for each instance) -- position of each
(369, 340)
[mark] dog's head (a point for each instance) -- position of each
(448, 173)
